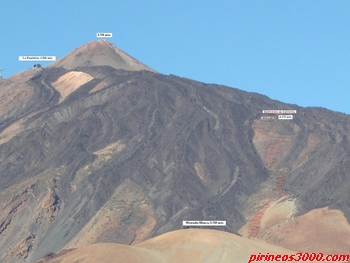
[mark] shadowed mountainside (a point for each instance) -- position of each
(92, 154)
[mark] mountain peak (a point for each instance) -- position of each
(99, 53)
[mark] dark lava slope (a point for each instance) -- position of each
(188, 146)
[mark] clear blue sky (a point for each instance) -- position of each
(293, 51)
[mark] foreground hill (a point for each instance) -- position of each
(186, 246)
(92, 154)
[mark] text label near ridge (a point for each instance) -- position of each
(204, 223)
(104, 35)
(280, 111)
(37, 58)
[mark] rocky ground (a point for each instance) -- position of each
(95, 154)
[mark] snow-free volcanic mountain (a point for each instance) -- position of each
(99, 148)
(99, 53)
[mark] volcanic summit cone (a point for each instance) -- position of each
(99, 53)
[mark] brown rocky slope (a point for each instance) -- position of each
(186, 246)
(93, 153)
